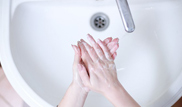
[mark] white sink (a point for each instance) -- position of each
(37, 57)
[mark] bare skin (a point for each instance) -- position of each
(77, 92)
(99, 73)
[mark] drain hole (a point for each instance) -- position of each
(99, 21)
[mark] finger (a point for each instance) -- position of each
(96, 47)
(107, 40)
(91, 51)
(84, 75)
(77, 57)
(94, 57)
(111, 44)
(106, 50)
(84, 54)
(114, 56)
(113, 50)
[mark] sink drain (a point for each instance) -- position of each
(99, 21)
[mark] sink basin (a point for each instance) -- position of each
(37, 57)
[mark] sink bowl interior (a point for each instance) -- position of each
(148, 62)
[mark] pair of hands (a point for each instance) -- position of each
(94, 68)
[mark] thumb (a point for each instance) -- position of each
(84, 75)
(77, 57)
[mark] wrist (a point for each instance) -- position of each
(80, 89)
(113, 90)
(76, 96)
(119, 97)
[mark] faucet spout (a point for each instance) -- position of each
(126, 16)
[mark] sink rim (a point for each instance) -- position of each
(171, 95)
(14, 77)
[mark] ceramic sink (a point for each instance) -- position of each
(37, 57)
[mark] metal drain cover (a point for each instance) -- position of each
(99, 21)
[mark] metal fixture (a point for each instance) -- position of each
(126, 16)
(99, 21)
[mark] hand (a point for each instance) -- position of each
(100, 65)
(77, 93)
(111, 44)
(102, 76)
(77, 60)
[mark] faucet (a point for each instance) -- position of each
(126, 16)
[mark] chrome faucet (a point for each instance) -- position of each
(126, 16)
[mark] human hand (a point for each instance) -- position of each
(112, 46)
(100, 65)
(102, 76)
(77, 60)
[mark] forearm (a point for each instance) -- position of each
(75, 96)
(119, 97)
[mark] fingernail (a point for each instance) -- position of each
(72, 47)
(118, 39)
(88, 36)
(84, 43)
(107, 41)
(79, 42)
(83, 40)
(99, 41)
(76, 51)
